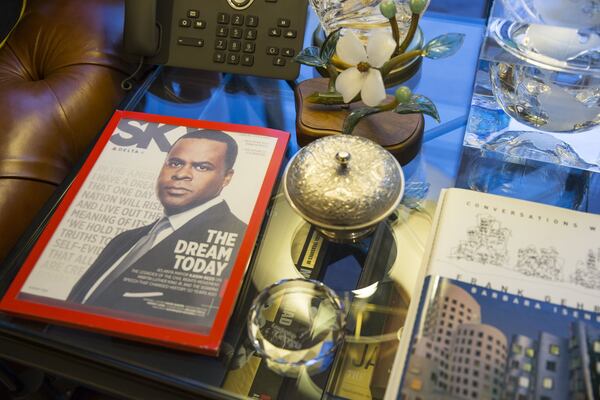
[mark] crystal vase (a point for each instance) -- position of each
(362, 16)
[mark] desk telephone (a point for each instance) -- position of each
(253, 37)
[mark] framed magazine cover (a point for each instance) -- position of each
(152, 238)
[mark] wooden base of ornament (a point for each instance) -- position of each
(401, 135)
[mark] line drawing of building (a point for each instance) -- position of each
(541, 263)
(486, 243)
(587, 273)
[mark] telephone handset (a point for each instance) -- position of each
(253, 37)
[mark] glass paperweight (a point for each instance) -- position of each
(296, 326)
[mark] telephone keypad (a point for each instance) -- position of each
(222, 31)
(223, 18)
(250, 34)
(237, 19)
(236, 35)
(233, 58)
(247, 60)
(221, 44)
(252, 21)
(219, 57)
(235, 45)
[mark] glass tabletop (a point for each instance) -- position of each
(379, 272)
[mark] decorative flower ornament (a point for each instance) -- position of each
(354, 70)
(363, 76)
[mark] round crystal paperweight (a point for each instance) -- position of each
(296, 326)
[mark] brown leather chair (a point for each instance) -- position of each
(60, 80)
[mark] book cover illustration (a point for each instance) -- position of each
(471, 342)
(521, 271)
(152, 238)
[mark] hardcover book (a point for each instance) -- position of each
(508, 304)
(152, 238)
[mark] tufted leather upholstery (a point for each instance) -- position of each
(60, 75)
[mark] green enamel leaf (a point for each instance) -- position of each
(329, 45)
(444, 46)
(419, 104)
(329, 98)
(355, 116)
(310, 56)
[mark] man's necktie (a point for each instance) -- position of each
(141, 247)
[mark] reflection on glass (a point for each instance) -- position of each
(574, 13)
(363, 364)
(536, 146)
(513, 176)
(296, 325)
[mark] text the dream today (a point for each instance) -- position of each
(210, 258)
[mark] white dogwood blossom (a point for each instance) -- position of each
(363, 77)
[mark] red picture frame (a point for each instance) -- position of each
(62, 312)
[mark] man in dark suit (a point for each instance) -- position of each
(175, 267)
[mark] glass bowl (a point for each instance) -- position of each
(553, 81)
(361, 16)
(296, 325)
(549, 100)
